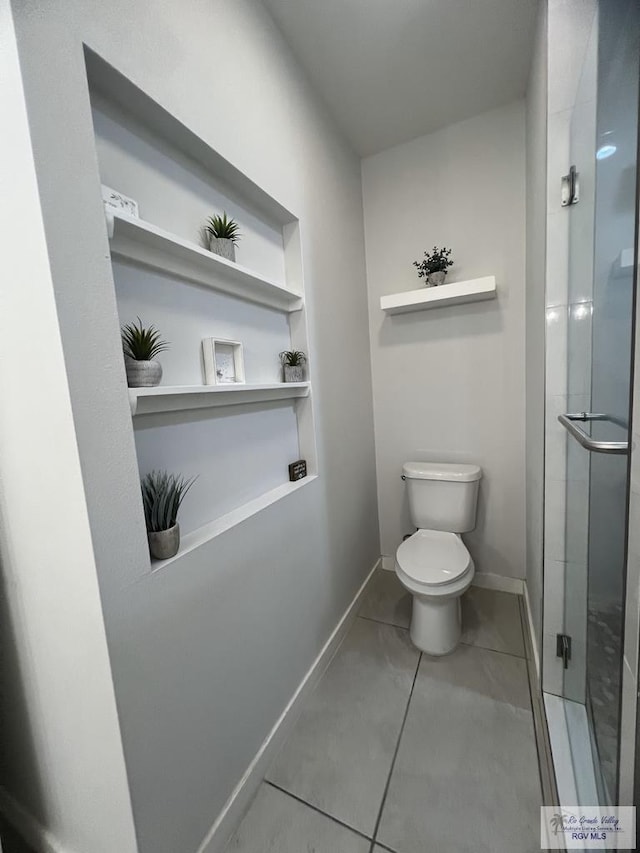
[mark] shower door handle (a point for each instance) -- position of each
(569, 422)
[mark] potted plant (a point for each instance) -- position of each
(141, 346)
(293, 364)
(223, 234)
(162, 495)
(434, 266)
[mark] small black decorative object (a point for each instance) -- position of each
(298, 470)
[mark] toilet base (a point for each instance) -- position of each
(436, 624)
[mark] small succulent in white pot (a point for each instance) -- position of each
(223, 234)
(293, 362)
(434, 266)
(141, 346)
(162, 496)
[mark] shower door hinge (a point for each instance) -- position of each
(563, 648)
(570, 193)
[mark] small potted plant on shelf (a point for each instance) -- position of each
(223, 234)
(293, 365)
(141, 346)
(434, 266)
(162, 496)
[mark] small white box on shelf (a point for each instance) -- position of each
(223, 362)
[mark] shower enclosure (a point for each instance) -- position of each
(587, 449)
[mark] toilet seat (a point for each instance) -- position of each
(433, 558)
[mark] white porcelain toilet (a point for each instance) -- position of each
(434, 564)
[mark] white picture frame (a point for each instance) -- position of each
(223, 362)
(119, 201)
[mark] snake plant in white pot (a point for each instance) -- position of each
(223, 234)
(162, 496)
(293, 362)
(141, 346)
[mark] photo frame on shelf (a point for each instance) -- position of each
(223, 362)
(119, 201)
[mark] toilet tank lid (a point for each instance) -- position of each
(441, 471)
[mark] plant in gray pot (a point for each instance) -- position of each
(223, 234)
(293, 362)
(141, 346)
(162, 495)
(434, 266)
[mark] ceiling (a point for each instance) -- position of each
(392, 70)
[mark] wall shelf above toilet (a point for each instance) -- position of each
(179, 398)
(474, 290)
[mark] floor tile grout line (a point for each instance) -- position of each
(382, 622)
(395, 756)
(462, 642)
(497, 651)
(318, 810)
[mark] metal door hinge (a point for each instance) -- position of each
(563, 648)
(570, 193)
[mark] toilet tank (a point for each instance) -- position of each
(442, 496)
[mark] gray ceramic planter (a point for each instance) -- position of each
(224, 248)
(435, 279)
(142, 374)
(293, 373)
(164, 543)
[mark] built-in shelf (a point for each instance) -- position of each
(176, 398)
(191, 541)
(475, 290)
(135, 240)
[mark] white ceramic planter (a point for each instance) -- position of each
(294, 373)
(142, 374)
(224, 248)
(435, 279)
(164, 543)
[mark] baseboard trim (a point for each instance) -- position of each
(26, 825)
(388, 563)
(487, 580)
(532, 633)
(218, 836)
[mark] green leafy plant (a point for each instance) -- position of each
(435, 261)
(162, 496)
(223, 228)
(140, 343)
(293, 358)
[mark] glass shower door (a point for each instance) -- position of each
(602, 224)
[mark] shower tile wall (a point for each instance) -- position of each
(571, 125)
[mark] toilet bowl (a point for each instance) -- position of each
(434, 564)
(436, 568)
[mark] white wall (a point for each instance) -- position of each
(449, 383)
(536, 127)
(206, 653)
(61, 754)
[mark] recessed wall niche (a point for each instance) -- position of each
(239, 439)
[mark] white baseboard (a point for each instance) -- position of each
(33, 832)
(388, 563)
(218, 836)
(532, 632)
(487, 580)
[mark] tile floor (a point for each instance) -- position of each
(397, 751)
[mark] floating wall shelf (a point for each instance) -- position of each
(136, 240)
(475, 290)
(176, 398)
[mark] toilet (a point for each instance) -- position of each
(434, 564)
